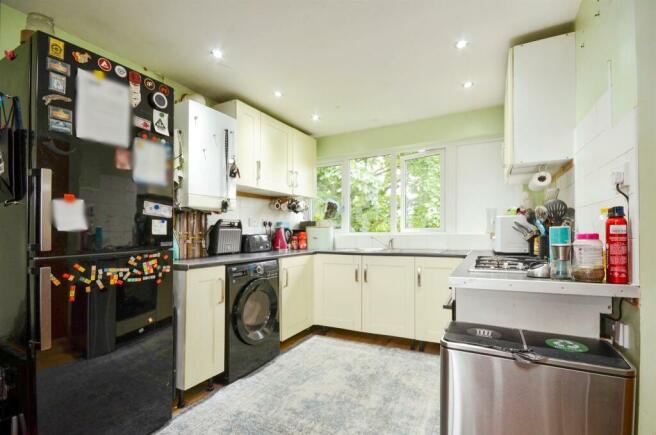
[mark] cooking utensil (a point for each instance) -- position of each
(551, 193)
(541, 213)
(557, 209)
(539, 271)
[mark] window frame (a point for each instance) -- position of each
(403, 162)
(394, 153)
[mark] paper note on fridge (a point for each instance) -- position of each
(158, 227)
(149, 162)
(69, 216)
(102, 108)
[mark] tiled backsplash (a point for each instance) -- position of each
(252, 211)
(604, 145)
(434, 240)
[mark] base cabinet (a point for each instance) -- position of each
(200, 309)
(296, 282)
(431, 293)
(395, 296)
(338, 294)
(388, 296)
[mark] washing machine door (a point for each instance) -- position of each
(255, 313)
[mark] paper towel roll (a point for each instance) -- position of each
(540, 181)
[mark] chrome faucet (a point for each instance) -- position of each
(388, 245)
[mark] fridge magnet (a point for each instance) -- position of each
(159, 100)
(57, 82)
(47, 99)
(81, 57)
(79, 268)
(100, 284)
(161, 122)
(71, 293)
(121, 71)
(60, 113)
(56, 48)
(123, 159)
(60, 126)
(149, 84)
(134, 77)
(164, 89)
(87, 289)
(58, 66)
(54, 280)
(135, 94)
(104, 64)
(141, 123)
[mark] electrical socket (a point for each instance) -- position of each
(617, 177)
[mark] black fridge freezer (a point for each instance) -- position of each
(86, 338)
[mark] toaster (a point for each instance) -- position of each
(507, 239)
(255, 243)
(225, 237)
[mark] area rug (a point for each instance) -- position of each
(325, 386)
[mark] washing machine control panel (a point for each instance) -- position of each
(256, 270)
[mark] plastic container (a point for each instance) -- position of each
(560, 252)
(617, 247)
(588, 261)
(601, 229)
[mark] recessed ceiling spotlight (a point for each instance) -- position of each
(277, 94)
(218, 54)
(468, 84)
(462, 44)
(315, 117)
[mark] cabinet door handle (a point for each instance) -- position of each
(259, 170)
(45, 312)
(296, 179)
(45, 209)
(365, 273)
(419, 277)
(290, 178)
(222, 289)
(286, 277)
(357, 274)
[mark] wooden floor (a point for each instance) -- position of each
(200, 392)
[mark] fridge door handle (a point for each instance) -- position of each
(45, 209)
(45, 303)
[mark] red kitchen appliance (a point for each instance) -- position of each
(280, 239)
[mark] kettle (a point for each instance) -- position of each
(280, 239)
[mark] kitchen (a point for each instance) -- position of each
(201, 217)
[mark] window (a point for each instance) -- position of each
(421, 191)
(370, 194)
(329, 191)
(398, 191)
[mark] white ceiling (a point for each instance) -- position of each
(356, 63)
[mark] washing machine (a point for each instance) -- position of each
(252, 328)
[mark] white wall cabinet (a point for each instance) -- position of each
(388, 296)
(303, 164)
(204, 135)
(338, 293)
(200, 338)
(540, 105)
(296, 301)
(431, 293)
(273, 158)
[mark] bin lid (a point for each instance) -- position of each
(546, 348)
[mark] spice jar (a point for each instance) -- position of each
(294, 242)
(302, 240)
(588, 264)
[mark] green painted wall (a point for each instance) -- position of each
(605, 38)
(12, 21)
(482, 123)
(646, 55)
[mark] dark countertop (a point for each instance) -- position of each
(220, 260)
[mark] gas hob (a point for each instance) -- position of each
(505, 263)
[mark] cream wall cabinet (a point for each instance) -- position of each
(431, 287)
(388, 296)
(303, 164)
(296, 284)
(200, 315)
(540, 105)
(273, 158)
(337, 290)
